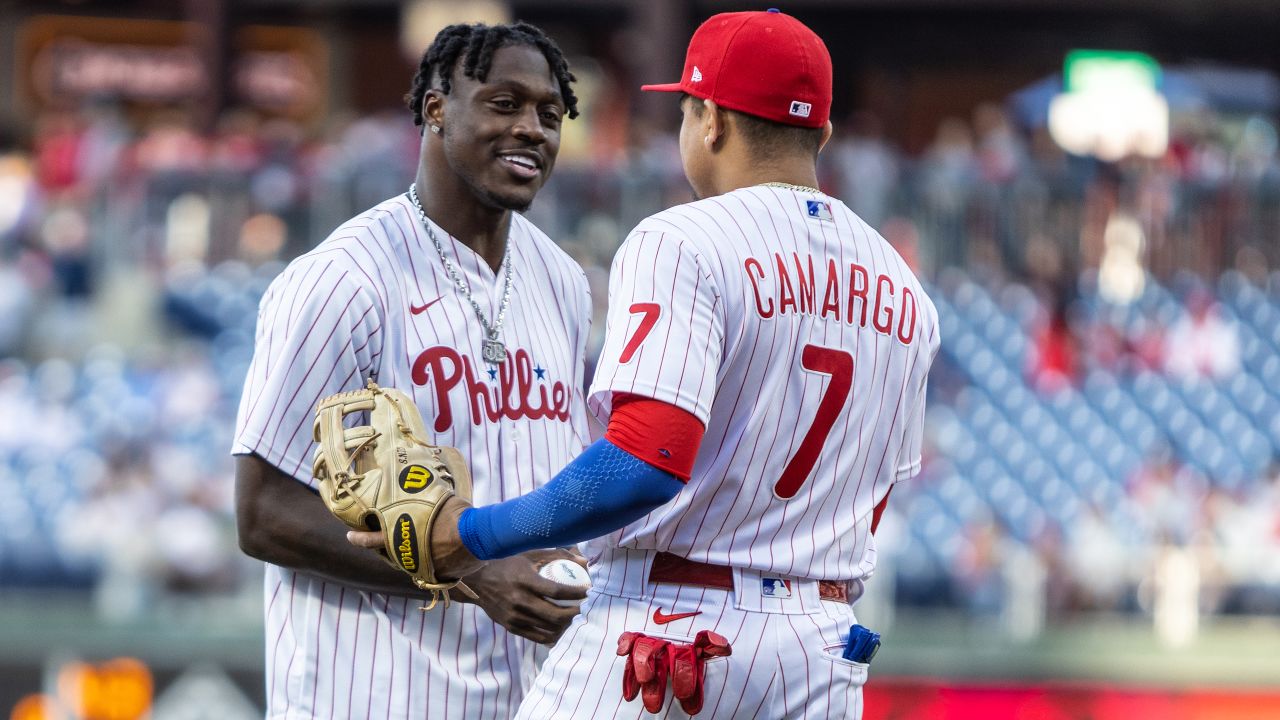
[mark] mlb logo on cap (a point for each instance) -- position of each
(801, 109)
(819, 210)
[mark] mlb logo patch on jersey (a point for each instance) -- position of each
(775, 587)
(819, 210)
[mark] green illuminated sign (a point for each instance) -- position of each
(1106, 71)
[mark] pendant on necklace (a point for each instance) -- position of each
(493, 352)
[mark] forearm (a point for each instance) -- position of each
(282, 522)
(602, 490)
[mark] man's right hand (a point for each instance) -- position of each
(515, 596)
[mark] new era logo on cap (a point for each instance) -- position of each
(801, 109)
(696, 76)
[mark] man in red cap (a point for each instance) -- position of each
(763, 383)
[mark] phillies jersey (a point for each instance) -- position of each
(802, 341)
(374, 301)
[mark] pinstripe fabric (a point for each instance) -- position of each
(745, 283)
(343, 313)
(803, 342)
(784, 664)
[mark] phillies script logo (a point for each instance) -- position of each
(517, 393)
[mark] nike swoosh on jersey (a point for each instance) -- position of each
(419, 309)
(662, 618)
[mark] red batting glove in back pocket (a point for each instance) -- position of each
(688, 667)
(648, 664)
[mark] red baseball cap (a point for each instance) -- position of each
(765, 64)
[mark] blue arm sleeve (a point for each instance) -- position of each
(603, 489)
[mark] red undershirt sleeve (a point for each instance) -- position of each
(875, 515)
(656, 432)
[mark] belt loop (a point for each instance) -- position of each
(625, 573)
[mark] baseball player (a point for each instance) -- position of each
(445, 293)
(763, 383)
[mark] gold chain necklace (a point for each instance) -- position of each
(791, 186)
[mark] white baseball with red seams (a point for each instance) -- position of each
(373, 301)
(566, 572)
(803, 341)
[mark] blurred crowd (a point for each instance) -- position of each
(133, 253)
(1120, 480)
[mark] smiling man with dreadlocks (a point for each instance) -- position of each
(446, 294)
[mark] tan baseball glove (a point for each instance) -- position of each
(384, 476)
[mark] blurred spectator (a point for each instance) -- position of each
(947, 173)
(1168, 495)
(262, 238)
(1122, 274)
(1053, 364)
(1122, 349)
(978, 570)
(57, 152)
(18, 196)
(64, 236)
(236, 146)
(105, 139)
(1001, 152)
(866, 169)
(1203, 344)
(1253, 160)
(16, 299)
(1098, 563)
(275, 186)
(903, 236)
(194, 545)
(171, 145)
(1051, 553)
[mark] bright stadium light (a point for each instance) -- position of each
(1111, 108)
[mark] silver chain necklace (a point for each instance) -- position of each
(791, 186)
(492, 349)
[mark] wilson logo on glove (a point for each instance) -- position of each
(408, 546)
(414, 478)
(385, 474)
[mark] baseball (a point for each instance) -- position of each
(565, 572)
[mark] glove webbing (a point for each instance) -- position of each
(339, 462)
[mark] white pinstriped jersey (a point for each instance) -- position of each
(802, 341)
(374, 301)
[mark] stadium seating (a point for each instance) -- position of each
(999, 450)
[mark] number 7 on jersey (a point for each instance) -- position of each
(650, 312)
(839, 365)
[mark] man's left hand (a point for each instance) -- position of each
(450, 558)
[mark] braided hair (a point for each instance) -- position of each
(475, 44)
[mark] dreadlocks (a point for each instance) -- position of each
(476, 45)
